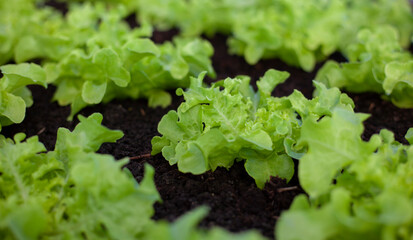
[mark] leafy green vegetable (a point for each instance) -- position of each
(14, 95)
(298, 32)
(193, 17)
(372, 14)
(19, 34)
(29, 32)
(75, 193)
(330, 153)
(92, 55)
(137, 68)
(215, 126)
(377, 63)
(62, 193)
(357, 189)
(184, 228)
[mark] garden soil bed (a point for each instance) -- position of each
(234, 200)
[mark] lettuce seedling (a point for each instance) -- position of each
(377, 63)
(229, 121)
(356, 189)
(15, 97)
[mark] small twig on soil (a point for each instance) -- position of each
(41, 131)
(147, 155)
(286, 189)
(143, 112)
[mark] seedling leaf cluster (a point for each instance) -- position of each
(229, 121)
(15, 97)
(356, 189)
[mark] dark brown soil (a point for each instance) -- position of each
(234, 200)
(384, 115)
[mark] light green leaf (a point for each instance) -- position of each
(395, 209)
(12, 107)
(328, 154)
(213, 144)
(253, 54)
(261, 169)
(159, 98)
(110, 64)
(27, 222)
(409, 135)
(92, 93)
(27, 48)
(16, 76)
(259, 138)
(179, 68)
(158, 143)
(89, 135)
(270, 80)
(140, 48)
(183, 227)
(397, 72)
(168, 127)
(191, 158)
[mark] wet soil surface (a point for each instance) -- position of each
(235, 202)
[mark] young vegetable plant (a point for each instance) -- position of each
(377, 63)
(60, 193)
(137, 68)
(74, 193)
(117, 62)
(15, 97)
(228, 122)
(26, 30)
(31, 30)
(356, 189)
